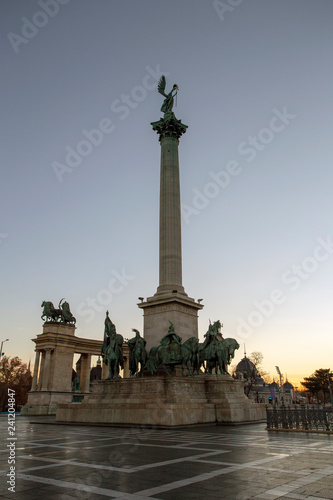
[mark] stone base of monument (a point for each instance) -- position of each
(46, 402)
(164, 402)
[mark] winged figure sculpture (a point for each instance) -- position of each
(169, 98)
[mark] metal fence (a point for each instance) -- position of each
(300, 418)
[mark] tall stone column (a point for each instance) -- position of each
(85, 372)
(41, 371)
(46, 369)
(35, 374)
(170, 261)
(170, 302)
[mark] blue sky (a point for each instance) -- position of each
(256, 167)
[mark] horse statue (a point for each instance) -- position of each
(49, 312)
(172, 352)
(112, 351)
(137, 353)
(219, 356)
(62, 314)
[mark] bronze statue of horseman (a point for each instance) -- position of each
(216, 352)
(112, 349)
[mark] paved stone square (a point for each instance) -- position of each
(235, 462)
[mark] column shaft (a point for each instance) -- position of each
(170, 277)
(46, 368)
(85, 372)
(41, 371)
(35, 374)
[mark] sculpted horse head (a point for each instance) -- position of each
(231, 345)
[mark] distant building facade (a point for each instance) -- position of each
(258, 390)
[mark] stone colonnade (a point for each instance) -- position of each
(52, 375)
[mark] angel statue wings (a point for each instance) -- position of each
(169, 98)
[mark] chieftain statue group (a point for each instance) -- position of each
(212, 356)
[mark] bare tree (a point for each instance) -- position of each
(257, 358)
(14, 375)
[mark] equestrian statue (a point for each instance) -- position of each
(137, 353)
(112, 350)
(216, 352)
(172, 351)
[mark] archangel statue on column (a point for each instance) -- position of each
(169, 98)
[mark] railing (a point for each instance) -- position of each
(300, 418)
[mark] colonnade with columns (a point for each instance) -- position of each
(52, 374)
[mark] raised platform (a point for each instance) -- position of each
(47, 402)
(164, 402)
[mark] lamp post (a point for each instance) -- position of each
(2, 343)
(329, 386)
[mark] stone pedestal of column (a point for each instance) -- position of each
(181, 310)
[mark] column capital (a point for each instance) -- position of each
(169, 126)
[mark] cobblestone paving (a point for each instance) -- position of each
(236, 462)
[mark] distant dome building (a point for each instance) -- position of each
(254, 385)
(257, 389)
(287, 386)
(245, 369)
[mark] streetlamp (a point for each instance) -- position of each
(2, 343)
(329, 386)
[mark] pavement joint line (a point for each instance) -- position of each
(173, 447)
(297, 496)
(42, 459)
(83, 487)
(39, 467)
(174, 461)
(256, 467)
(63, 444)
(121, 469)
(202, 477)
(46, 445)
(23, 441)
(106, 445)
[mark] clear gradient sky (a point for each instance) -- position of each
(80, 219)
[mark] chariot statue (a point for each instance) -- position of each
(61, 315)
